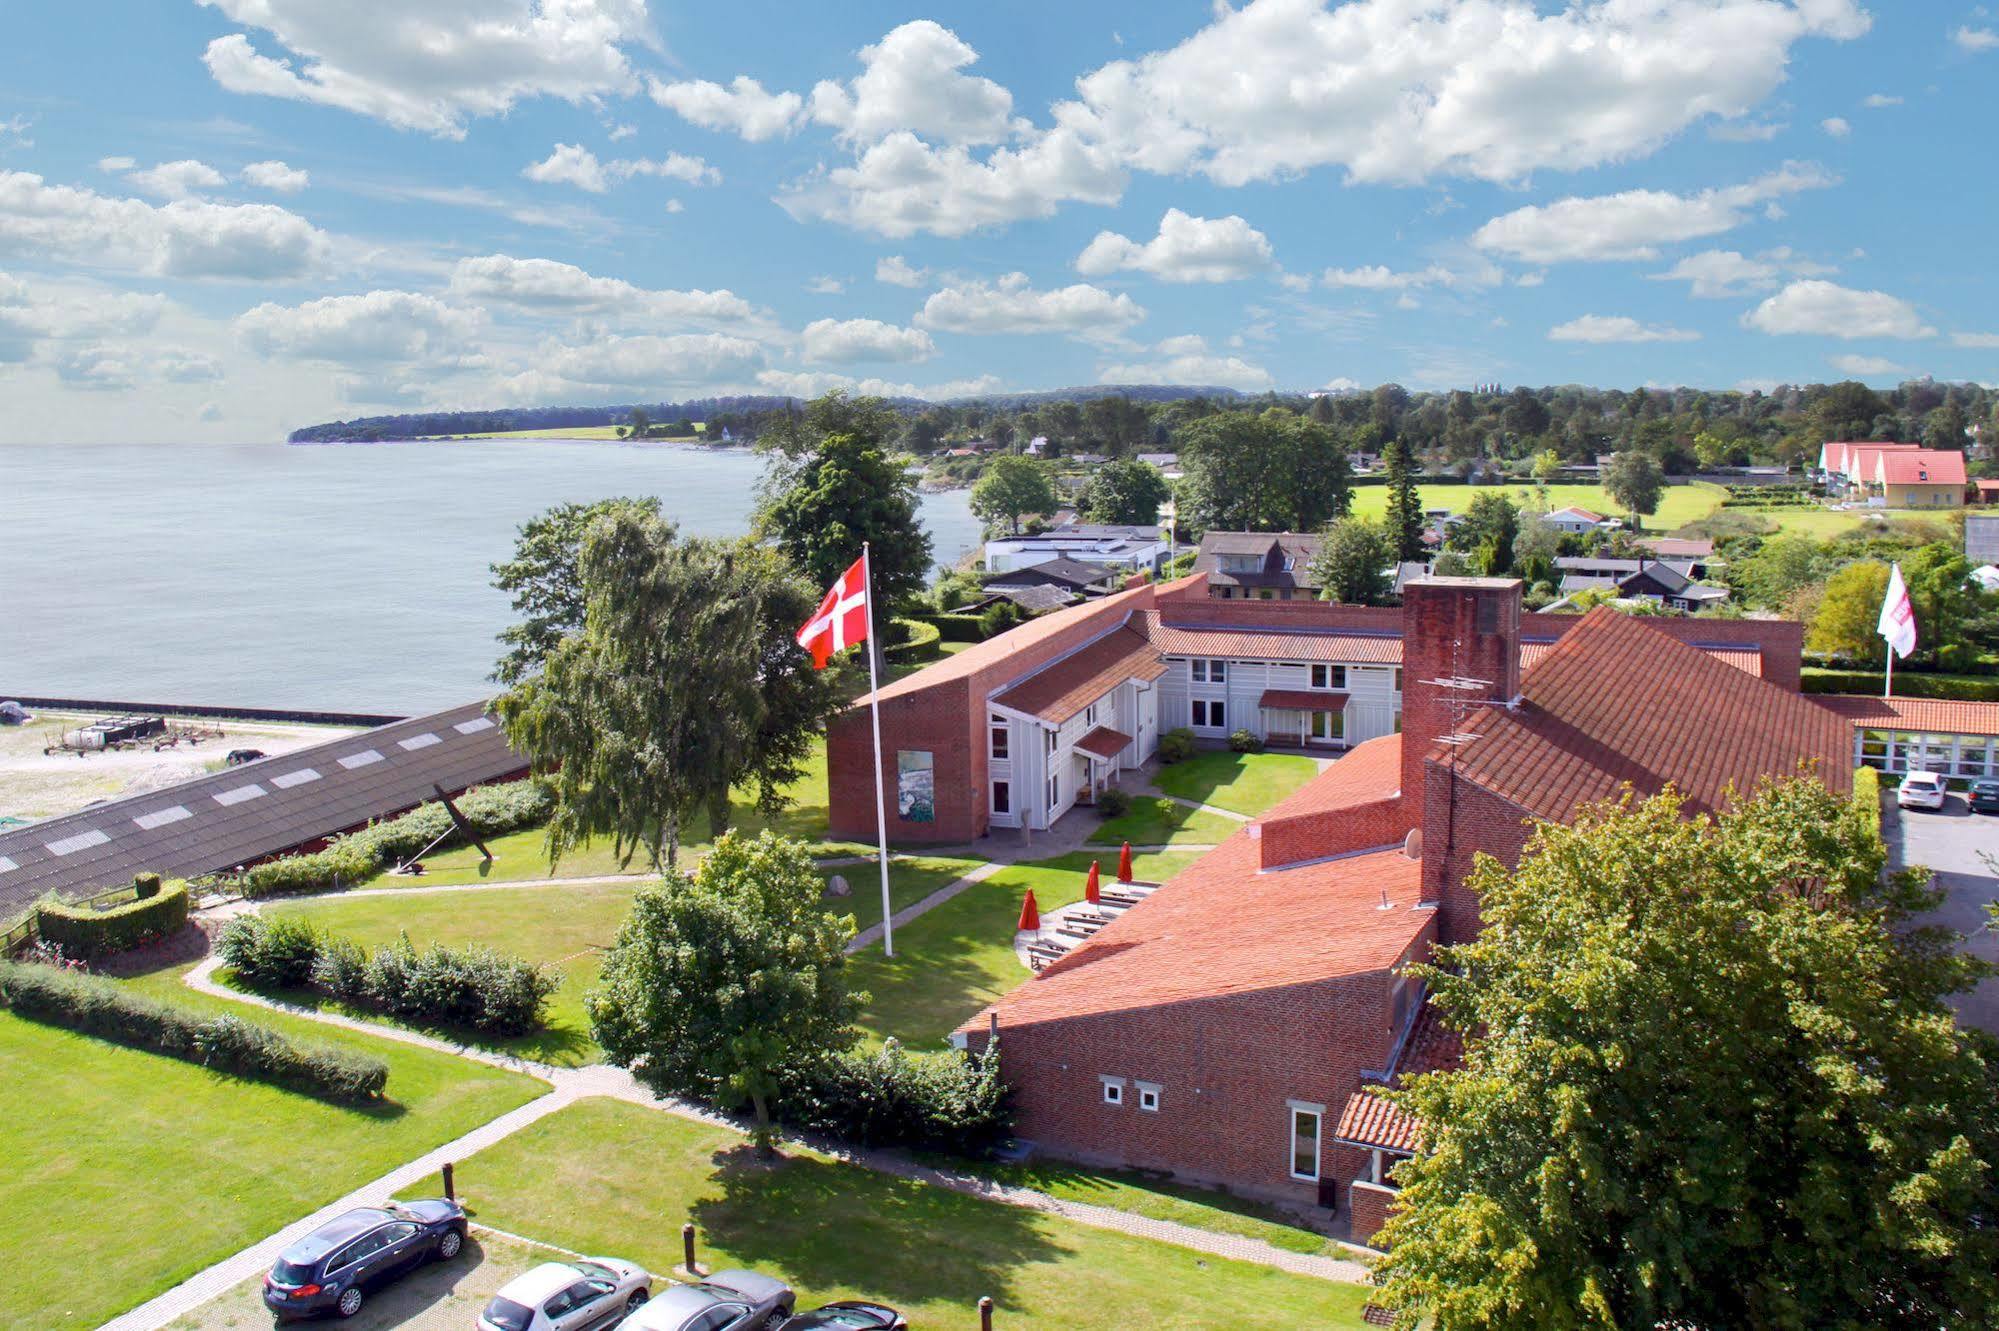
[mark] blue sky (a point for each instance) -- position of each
(221, 220)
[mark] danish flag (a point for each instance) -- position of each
(842, 618)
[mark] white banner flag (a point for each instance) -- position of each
(1898, 617)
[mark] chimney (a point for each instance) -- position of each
(1453, 628)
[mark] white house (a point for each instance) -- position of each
(1137, 548)
(1575, 521)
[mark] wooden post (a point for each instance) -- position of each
(985, 1312)
(687, 1248)
(449, 1191)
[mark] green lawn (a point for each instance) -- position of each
(605, 1176)
(953, 961)
(1158, 822)
(128, 1171)
(1244, 782)
(1679, 504)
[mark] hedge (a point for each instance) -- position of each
(86, 933)
(1867, 799)
(228, 1044)
(959, 628)
(492, 811)
(920, 642)
(889, 1097)
(1908, 684)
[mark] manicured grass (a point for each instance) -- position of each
(1159, 822)
(129, 1171)
(1244, 782)
(953, 961)
(605, 1176)
(1678, 504)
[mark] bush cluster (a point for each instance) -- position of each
(1245, 741)
(958, 628)
(357, 857)
(86, 933)
(890, 1097)
(473, 987)
(1908, 684)
(1176, 745)
(1113, 803)
(228, 1044)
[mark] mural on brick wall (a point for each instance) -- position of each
(915, 786)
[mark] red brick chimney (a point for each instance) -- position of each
(1453, 628)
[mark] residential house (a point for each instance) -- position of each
(1136, 548)
(1665, 581)
(1894, 475)
(1697, 555)
(1071, 575)
(1265, 566)
(1573, 521)
(1985, 491)
(1168, 463)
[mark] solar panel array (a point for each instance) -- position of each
(259, 809)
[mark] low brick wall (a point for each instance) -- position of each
(1368, 1205)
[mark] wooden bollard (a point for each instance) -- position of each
(449, 1191)
(985, 1312)
(687, 1247)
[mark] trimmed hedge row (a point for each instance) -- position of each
(890, 1097)
(359, 856)
(1867, 799)
(1908, 684)
(473, 987)
(958, 628)
(228, 1044)
(920, 642)
(86, 933)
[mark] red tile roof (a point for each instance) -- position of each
(1104, 742)
(1224, 928)
(1942, 716)
(1273, 644)
(1065, 687)
(1369, 1120)
(1371, 770)
(1746, 659)
(1923, 466)
(1618, 701)
(1303, 700)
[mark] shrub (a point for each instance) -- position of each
(959, 628)
(228, 1044)
(1176, 745)
(86, 933)
(997, 618)
(1908, 684)
(1243, 741)
(277, 953)
(1867, 800)
(1113, 803)
(921, 642)
(889, 1097)
(342, 967)
(146, 886)
(473, 986)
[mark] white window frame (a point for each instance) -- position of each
(1113, 1090)
(1003, 795)
(1208, 714)
(1218, 671)
(1054, 791)
(1298, 1109)
(999, 739)
(1332, 678)
(1152, 1092)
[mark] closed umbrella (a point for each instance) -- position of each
(1030, 915)
(1090, 884)
(1124, 864)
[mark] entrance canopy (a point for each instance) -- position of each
(1302, 700)
(1104, 744)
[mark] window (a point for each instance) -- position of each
(1054, 791)
(1148, 1096)
(1002, 797)
(1329, 677)
(1210, 672)
(1113, 1090)
(1398, 679)
(1305, 1141)
(1210, 715)
(1002, 736)
(1090, 715)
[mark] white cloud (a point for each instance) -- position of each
(430, 64)
(1824, 309)
(573, 164)
(16, 128)
(902, 185)
(675, 206)
(816, 383)
(178, 180)
(276, 176)
(1865, 367)
(1837, 126)
(376, 328)
(1635, 223)
(1187, 249)
(1718, 274)
(646, 364)
(1011, 305)
(1187, 360)
(1973, 39)
(1534, 279)
(897, 272)
(183, 239)
(1600, 328)
(1875, 101)
(1978, 341)
(1380, 277)
(115, 165)
(619, 133)
(189, 367)
(912, 80)
(825, 286)
(1341, 384)
(848, 341)
(1394, 90)
(743, 108)
(51, 321)
(560, 288)
(1746, 131)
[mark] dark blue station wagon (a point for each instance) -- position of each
(335, 1268)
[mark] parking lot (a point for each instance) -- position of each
(1951, 841)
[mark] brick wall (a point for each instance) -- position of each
(1313, 836)
(1459, 821)
(1368, 1205)
(1227, 1066)
(1465, 627)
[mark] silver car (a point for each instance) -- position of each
(725, 1301)
(580, 1295)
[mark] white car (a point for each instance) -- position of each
(580, 1295)
(1921, 790)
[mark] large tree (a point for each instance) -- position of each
(1405, 502)
(1129, 492)
(719, 980)
(1711, 1080)
(821, 506)
(1487, 532)
(545, 583)
(1633, 479)
(682, 682)
(1847, 621)
(1013, 484)
(1266, 471)
(1354, 562)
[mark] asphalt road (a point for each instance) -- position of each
(1951, 842)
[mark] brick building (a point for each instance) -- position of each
(1232, 1027)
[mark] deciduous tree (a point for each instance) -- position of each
(1127, 491)
(1353, 562)
(1633, 479)
(820, 507)
(1490, 524)
(1847, 622)
(1269, 471)
(1013, 484)
(545, 583)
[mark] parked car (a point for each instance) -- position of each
(335, 1268)
(1984, 796)
(725, 1301)
(237, 757)
(1921, 790)
(849, 1313)
(582, 1295)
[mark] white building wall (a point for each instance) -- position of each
(1373, 701)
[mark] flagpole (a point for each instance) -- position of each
(875, 711)
(1888, 689)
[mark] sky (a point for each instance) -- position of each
(223, 219)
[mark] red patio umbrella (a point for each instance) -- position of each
(1124, 864)
(1090, 884)
(1030, 915)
